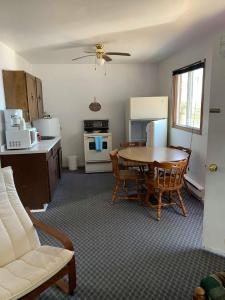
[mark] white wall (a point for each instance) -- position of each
(200, 50)
(9, 60)
(69, 89)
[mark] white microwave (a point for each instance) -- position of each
(21, 139)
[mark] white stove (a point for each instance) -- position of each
(97, 161)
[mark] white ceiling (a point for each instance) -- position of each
(55, 31)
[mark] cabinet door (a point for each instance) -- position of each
(16, 91)
(39, 98)
(53, 170)
(32, 97)
(148, 108)
(60, 162)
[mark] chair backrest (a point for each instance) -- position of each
(186, 150)
(115, 163)
(132, 144)
(17, 233)
(169, 175)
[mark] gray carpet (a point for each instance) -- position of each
(122, 252)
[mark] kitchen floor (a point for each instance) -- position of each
(122, 252)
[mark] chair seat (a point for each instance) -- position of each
(23, 275)
(130, 175)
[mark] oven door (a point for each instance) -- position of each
(90, 149)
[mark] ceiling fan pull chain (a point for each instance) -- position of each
(95, 63)
(105, 69)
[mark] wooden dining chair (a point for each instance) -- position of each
(168, 177)
(130, 164)
(122, 178)
(188, 151)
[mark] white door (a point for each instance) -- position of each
(214, 202)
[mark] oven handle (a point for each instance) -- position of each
(98, 161)
(92, 137)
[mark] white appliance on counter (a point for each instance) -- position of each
(21, 138)
(17, 135)
(97, 161)
(48, 127)
(147, 120)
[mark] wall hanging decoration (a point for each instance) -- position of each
(95, 106)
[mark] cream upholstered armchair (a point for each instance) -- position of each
(26, 267)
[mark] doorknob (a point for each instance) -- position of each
(213, 168)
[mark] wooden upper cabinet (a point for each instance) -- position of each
(23, 91)
(39, 98)
(32, 97)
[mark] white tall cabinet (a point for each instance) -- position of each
(140, 111)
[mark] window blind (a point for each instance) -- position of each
(192, 67)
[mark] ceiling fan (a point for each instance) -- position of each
(101, 55)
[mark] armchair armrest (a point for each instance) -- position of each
(57, 234)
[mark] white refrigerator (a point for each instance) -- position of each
(156, 133)
(147, 120)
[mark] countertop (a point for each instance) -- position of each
(41, 147)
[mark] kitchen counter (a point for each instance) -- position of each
(36, 171)
(43, 146)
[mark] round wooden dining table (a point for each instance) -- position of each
(148, 155)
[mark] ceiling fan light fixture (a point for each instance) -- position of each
(100, 61)
(101, 55)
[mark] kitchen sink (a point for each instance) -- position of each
(46, 138)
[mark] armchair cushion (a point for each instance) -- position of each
(17, 233)
(24, 274)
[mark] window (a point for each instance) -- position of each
(188, 97)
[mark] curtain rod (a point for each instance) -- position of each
(196, 65)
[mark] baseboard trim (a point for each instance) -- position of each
(45, 206)
(193, 183)
(217, 252)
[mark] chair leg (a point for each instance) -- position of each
(68, 288)
(137, 190)
(125, 189)
(146, 198)
(142, 169)
(159, 205)
(183, 208)
(115, 191)
(72, 275)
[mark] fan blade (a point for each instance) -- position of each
(89, 51)
(106, 57)
(118, 53)
(82, 56)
